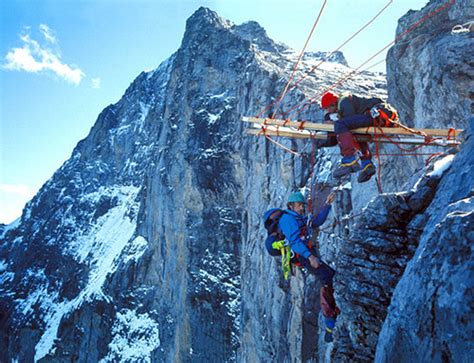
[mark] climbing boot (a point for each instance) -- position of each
(330, 324)
(328, 338)
(348, 164)
(368, 169)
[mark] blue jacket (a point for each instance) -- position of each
(292, 223)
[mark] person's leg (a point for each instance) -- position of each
(325, 275)
(348, 145)
(342, 130)
(327, 302)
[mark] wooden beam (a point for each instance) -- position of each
(303, 125)
(299, 135)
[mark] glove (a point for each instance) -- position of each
(333, 116)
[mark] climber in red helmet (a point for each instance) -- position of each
(350, 112)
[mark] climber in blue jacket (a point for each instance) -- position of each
(294, 225)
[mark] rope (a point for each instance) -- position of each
(330, 54)
(343, 44)
(377, 154)
(377, 137)
(350, 74)
(264, 133)
(299, 59)
(310, 201)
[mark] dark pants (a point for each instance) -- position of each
(324, 273)
(354, 122)
(326, 295)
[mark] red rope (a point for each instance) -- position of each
(264, 132)
(377, 154)
(341, 80)
(299, 59)
(431, 157)
(330, 54)
(452, 134)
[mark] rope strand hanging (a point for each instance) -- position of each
(306, 104)
(328, 56)
(299, 59)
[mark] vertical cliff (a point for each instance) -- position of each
(430, 316)
(147, 244)
(133, 250)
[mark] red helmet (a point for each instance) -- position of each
(328, 99)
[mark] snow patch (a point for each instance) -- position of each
(134, 337)
(136, 249)
(102, 246)
(219, 95)
(3, 265)
(324, 174)
(5, 276)
(441, 166)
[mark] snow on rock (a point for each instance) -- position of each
(441, 166)
(134, 337)
(102, 246)
(135, 249)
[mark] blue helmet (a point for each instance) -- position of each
(296, 197)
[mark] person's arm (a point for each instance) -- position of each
(322, 215)
(331, 138)
(291, 230)
(346, 108)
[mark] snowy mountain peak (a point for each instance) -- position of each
(203, 19)
(336, 57)
(256, 34)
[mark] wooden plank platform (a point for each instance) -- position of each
(322, 136)
(303, 125)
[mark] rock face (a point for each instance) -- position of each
(133, 250)
(431, 313)
(430, 69)
(405, 261)
(147, 244)
(430, 317)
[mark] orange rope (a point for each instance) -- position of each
(330, 54)
(264, 132)
(341, 80)
(344, 43)
(299, 59)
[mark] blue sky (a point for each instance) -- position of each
(63, 61)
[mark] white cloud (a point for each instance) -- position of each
(95, 83)
(34, 58)
(48, 33)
